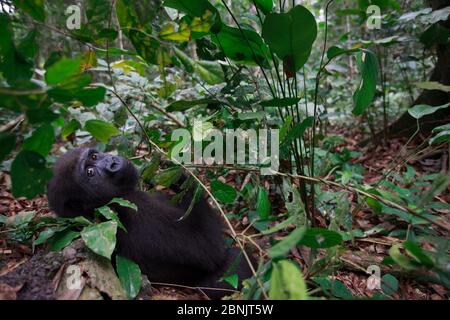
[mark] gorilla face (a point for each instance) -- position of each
(84, 179)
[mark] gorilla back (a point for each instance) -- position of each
(190, 252)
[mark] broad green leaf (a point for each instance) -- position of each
(400, 258)
(45, 235)
(101, 130)
(129, 276)
(184, 105)
(364, 94)
(62, 239)
(110, 214)
(265, 6)
(418, 254)
(420, 110)
(335, 287)
(320, 238)
(443, 136)
(21, 219)
(29, 174)
(167, 177)
(175, 32)
(90, 96)
(41, 140)
(63, 70)
(280, 102)
(124, 203)
(291, 36)
(389, 284)
(433, 85)
(286, 282)
(198, 8)
(283, 247)
(335, 51)
(243, 46)
(223, 192)
(233, 280)
(7, 144)
(70, 128)
(35, 8)
(40, 115)
(280, 226)
(210, 71)
(263, 203)
(101, 238)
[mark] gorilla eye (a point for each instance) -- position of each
(90, 172)
(94, 156)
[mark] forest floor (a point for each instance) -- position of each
(359, 255)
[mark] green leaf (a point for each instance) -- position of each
(40, 115)
(124, 203)
(29, 174)
(335, 51)
(420, 110)
(439, 184)
(90, 96)
(283, 247)
(286, 282)
(321, 238)
(129, 276)
(280, 102)
(167, 177)
(45, 235)
(263, 203)
(233, 280)
(223, 192)
(101, 130)
(280, 226)
(63, 70)
(389, 284)
(298, 131)
(443, 136)
(196, 8)
(7, 144)
(364, 94)
(265, 6)
(21, 219)
(109, 214)
(243, 46)
(432, 85)
(184, 105)
(209, 71)
(62, 239)
(335, 287)
(291, 36)
(35, 8)
(70, 128)
(41, 140)
(401, 259)
(101, 238)
(418, 254)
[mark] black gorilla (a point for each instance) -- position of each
(189, 252)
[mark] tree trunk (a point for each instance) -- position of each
(406, 125)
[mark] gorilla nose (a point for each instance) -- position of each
(113, 164)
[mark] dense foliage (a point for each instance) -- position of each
(123, 75)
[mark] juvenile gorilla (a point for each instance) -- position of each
(189, 252)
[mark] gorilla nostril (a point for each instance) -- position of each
(114, 164)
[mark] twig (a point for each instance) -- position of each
(369, 195)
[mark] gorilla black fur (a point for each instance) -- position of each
(189, 252)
